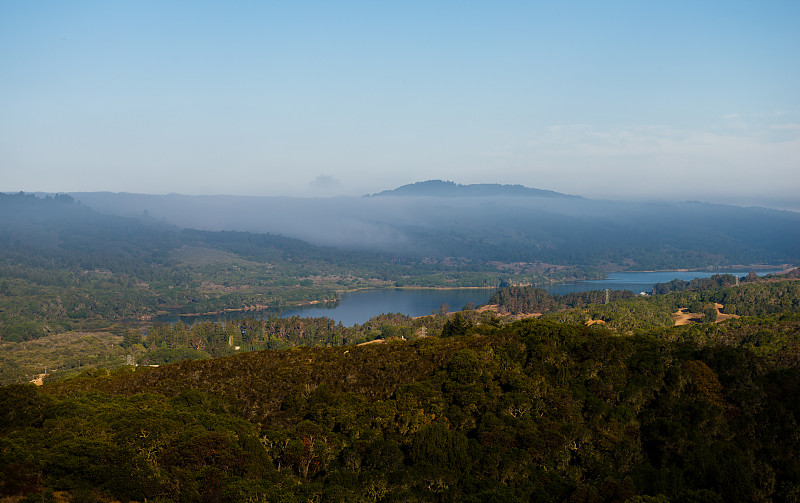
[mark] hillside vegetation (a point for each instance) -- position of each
(594, 398)
(534, 410)
(64, 266)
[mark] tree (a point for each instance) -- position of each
(709, 314)
(131, 337)
(455, 326)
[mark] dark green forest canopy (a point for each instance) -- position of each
(532, 411)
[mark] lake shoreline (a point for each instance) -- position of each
(358, 305)
(725, 270)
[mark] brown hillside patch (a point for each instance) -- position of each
(684, 317)
(376, 341)
(39, 379)
(510, 317)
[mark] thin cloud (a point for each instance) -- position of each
(665, 161)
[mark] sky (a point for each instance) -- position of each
(669, 100)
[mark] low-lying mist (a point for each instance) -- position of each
(550, 229)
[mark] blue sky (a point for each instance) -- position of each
(674, 100)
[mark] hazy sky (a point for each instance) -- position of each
(680, 100)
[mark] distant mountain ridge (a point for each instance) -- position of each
(555, 230)
(441, 188)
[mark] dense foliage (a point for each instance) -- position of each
(532, 411)
(623, 311)
(526, 299)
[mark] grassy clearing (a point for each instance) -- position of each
(59, 355)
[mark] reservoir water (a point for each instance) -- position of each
(358, 307)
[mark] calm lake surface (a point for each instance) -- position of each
(638, 282)
(358, 307)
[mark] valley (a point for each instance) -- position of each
(183, 358)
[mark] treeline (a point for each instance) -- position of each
(168, 343)
(626, 312)
(719, 281)
(215, 339)
(757, 298)
(528, 299)
(760, 299)
(531, 411)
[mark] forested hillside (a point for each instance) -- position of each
(531, 411)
